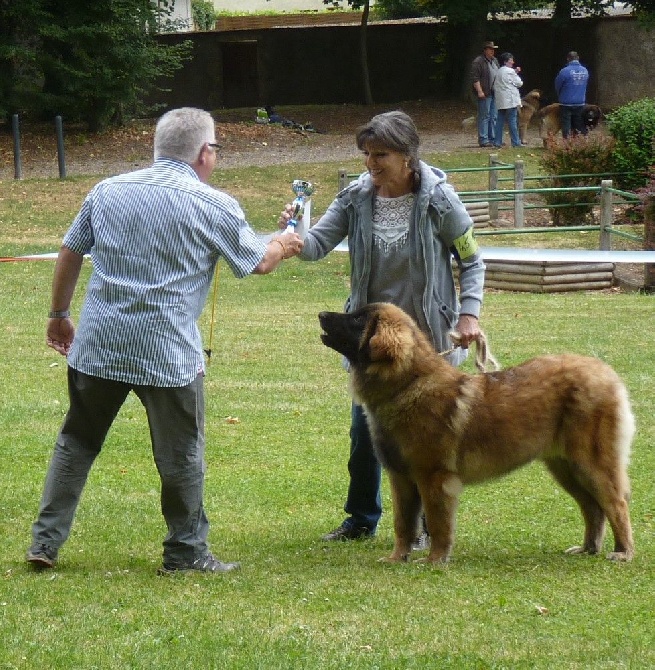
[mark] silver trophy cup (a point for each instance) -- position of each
(303, 190)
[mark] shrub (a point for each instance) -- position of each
(637, 213)
(633, 127)
(204, 14)
(582, 156)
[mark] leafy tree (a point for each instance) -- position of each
(204, 14)
(19, 75)
(399, 9)
(467, 27)
(645, 10)
(88, 61)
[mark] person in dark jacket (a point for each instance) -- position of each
(483, 72)
(571, 86)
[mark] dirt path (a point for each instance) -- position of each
(243, 142)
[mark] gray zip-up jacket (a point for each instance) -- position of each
(440, 227)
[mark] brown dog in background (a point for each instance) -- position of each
(529, 107)
(437, 429)
(549, 120)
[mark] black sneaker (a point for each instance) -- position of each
(205, 564)
(41, 557)
(347, 532)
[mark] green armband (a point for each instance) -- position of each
(466, 244)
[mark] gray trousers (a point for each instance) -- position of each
(176, 417)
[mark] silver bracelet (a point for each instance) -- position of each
(59, 314)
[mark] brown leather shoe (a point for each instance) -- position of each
(41, 557)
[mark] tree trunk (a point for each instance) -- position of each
(363, 52)
(463, 42)
(562, 13)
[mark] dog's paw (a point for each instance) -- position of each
(393, 558)
(435, 563)
(620, 556)
(574, 551)
(435, 558)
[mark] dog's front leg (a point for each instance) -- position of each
(440, 496)
(406, 511)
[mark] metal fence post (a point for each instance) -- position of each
(606, 215)
(15, 129)
(649, 243)
(60, 147)
(493, 186)
(519, 185)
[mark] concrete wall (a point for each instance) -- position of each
(320, 65)
(624, 67)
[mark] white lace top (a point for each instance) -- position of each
(390, 252)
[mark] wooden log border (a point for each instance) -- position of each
(544, 277)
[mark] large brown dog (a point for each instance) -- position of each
(529, 107)
(436, 428)
(549, 120)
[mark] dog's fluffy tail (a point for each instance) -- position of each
(626, 425)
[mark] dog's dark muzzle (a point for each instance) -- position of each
(338, 333)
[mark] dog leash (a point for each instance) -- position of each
(208, 351)
(483, 355)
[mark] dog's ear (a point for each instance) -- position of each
(389, 341)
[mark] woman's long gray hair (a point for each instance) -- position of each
(395, 131)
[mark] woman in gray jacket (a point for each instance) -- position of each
(404, 224)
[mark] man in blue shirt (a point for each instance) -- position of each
(154, 237)
(571, 87)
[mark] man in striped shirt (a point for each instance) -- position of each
(154, 237)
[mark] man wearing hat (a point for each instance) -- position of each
(483, 71)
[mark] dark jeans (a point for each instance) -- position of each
(176, 419)
(571, 120)
(364, 503)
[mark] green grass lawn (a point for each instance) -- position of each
(277, 443)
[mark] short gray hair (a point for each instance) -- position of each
(180, 133)
(393, 130)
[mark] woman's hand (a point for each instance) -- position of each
(469, 330)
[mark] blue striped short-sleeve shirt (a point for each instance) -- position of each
(154, 237)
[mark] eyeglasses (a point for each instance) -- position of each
(213, 145)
